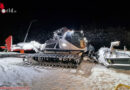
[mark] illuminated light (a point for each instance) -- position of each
(1, 6)
(85, 39)
(64, 45)
(81, 31)
(72, 31)
(3, 11)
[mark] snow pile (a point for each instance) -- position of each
(101, 54)
(33, 45)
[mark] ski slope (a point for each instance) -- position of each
(14, 73)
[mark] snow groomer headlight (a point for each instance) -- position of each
(64, 44)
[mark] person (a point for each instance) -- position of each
(90, 50)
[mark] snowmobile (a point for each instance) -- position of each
(65, 49)
(112, 57)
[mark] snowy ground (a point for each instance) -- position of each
(89, 77)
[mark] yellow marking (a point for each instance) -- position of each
(119, 85)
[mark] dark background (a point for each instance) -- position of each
(102, 22)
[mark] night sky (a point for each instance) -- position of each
(53, 15)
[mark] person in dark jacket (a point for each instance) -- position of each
(90, 50)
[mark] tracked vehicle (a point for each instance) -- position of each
(65, 49)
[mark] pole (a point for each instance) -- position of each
(29, 29)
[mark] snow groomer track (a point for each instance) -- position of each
(56, 60)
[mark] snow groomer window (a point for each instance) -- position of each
(74, 38)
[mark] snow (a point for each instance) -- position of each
(101, 53)
(33, 45)
(109, 77)
(14, 73)
(8, 53)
